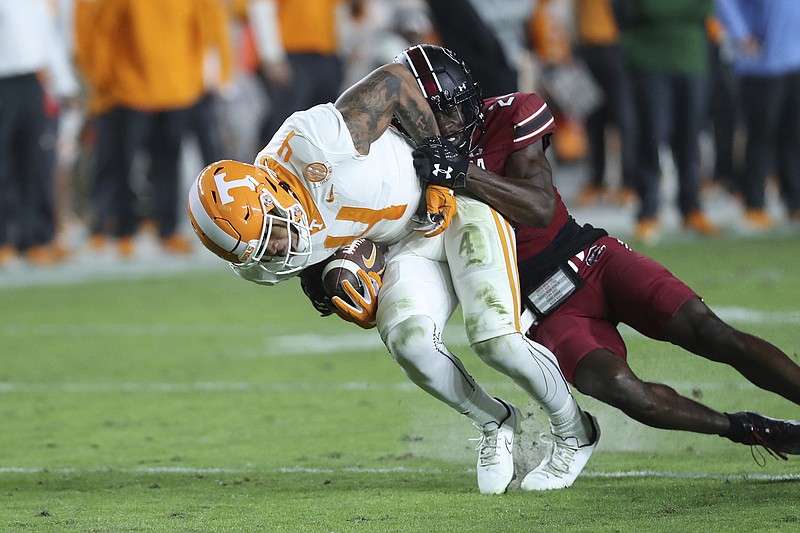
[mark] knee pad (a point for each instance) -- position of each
(411, 342)
(415, 343)
(501, 352)
(504, 348)
(532, 366)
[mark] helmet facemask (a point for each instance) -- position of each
(298, 249)
(457, 122)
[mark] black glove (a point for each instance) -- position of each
(438, 162)
(311, 283)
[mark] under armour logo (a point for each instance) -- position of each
(437, 170)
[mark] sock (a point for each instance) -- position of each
(570, 422)
(736, 432)
(483, 409)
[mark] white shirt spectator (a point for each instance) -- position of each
(30, 42)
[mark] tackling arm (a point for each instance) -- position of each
(525, 194)
(369, 105)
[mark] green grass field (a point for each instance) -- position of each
(198, 402)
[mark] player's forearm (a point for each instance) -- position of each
(413, 111)
(519, 200)
(369, 105)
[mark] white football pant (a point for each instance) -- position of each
(473, 262)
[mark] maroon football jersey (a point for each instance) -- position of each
(512, 122)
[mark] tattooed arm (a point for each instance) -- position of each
(390, 90)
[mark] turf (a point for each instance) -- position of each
(199, 402)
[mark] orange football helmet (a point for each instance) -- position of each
(233, 207)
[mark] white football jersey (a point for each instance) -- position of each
(346, 195)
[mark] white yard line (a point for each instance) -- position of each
(389, 471)
(210, 387)
(12, 387)
(311, 343)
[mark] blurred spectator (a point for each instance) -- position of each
(98, 139)
(767, 60)
(298, 47)
(724, 111)
(144, 62)
(598, 45)
(217, 76)
(70, 120)
(386, 28)
(462, 29)
(564, 81)
(241, 104)
(202, 126)
(35, 75)
(507, 19)
(666, 49)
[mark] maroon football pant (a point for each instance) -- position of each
(621, 286)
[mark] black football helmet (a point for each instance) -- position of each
(447, 85)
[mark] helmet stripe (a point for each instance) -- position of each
(206, 224)
(415, 73)
(423, 71)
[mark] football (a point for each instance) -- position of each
(361, 254)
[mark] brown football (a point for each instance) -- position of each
(345, 262)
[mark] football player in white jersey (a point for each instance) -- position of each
(337, 172)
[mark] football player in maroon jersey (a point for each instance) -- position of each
(578, 283)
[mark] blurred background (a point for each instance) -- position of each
(675, 119)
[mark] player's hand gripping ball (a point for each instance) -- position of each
(352, 279)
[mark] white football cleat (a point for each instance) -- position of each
(495, 462)
(563, 462)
